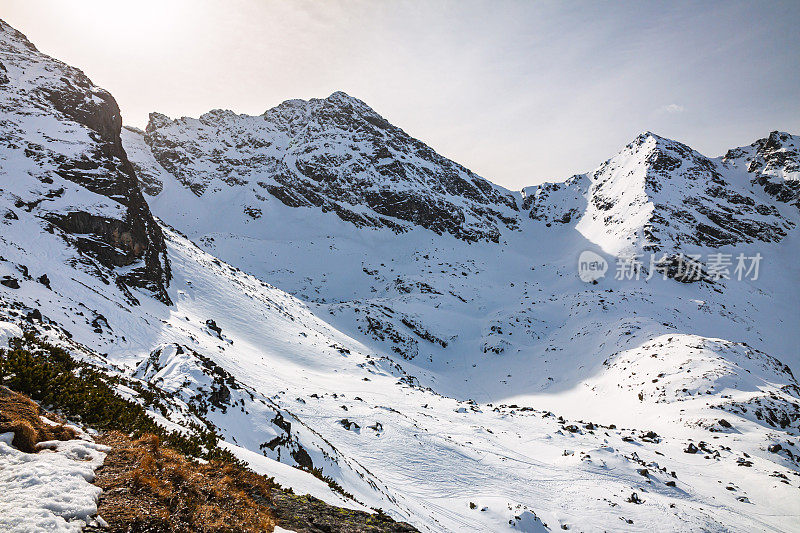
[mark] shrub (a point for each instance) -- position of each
(82, 392)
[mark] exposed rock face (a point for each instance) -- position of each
(560, 202)
(660, 195)
(773, 162)
(61, 150)
(336, 154)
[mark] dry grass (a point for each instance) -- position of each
(150, 488)
(147, 487)
(23, 417)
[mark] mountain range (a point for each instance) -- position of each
(326, 293)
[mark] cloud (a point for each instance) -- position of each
(672, 109)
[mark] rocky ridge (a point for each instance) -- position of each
(335, 154)
(659, 195)
(63, 163)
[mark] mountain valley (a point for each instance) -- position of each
(373, 324)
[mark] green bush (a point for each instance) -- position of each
(81, 392)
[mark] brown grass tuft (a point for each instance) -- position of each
(147, 487)
(25, 436)
(22, 416)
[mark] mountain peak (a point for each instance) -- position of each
(657, 194)
(339, 100)
(9, 34)
(776, 141)
(645, 135)
(217, 117)
(648, 138)
(341, 96)
(780, 136)
(336, 154)
(773, 163)
(156, 120)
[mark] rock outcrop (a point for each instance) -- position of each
(62, 157)
(335, 154)
(774, 163)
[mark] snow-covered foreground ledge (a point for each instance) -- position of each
(50, 490)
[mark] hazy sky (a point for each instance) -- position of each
(520, 92)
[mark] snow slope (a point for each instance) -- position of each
(511, 324)
(50, 490)
(451, 368)
(423, 456)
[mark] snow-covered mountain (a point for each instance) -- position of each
(336, 154)
(660, 195)
(333, 295)
(62, 165)
(510, 323)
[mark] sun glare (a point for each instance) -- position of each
(145, 20)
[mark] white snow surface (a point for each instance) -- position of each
(299, 481)
(50, 490)
(8, 331)
(423, 373)
(458, 385)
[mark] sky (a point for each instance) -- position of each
(519, 92)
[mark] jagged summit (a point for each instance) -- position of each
(773, 163)
(777, 142)
(657, 194)
(338, 98)
(339, 110)
(65, 171)
(336, 154)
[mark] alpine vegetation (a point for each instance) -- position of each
(309, 320)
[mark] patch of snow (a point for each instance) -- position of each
(8, 331)
(50, 490)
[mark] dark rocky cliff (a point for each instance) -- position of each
(68, 132)
(335, 154)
